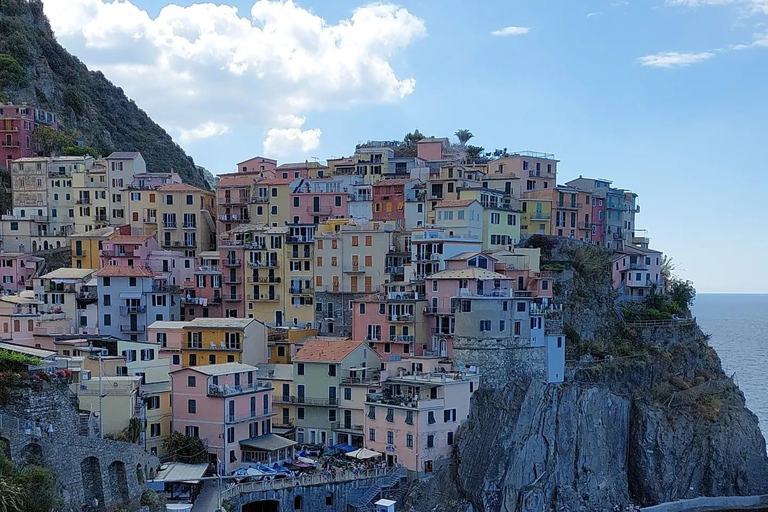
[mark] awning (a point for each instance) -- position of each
(180, 472)
(267, 443)
(363, 453)
(130, 295)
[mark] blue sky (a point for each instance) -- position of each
(689, 139)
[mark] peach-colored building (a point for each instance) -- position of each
(16, 270)
(571, 211)
(127, 250)
(315, 201)
(203, 298)
(389, 198)
(257, 164)
(538, 171)
(171, 336)
(414, 418)
(432, 149)
(228, 407)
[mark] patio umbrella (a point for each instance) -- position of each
(363, 453)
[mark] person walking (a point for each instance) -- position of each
(38, 428)
(49, 431)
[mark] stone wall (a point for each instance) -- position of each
(86, 468)
(342, 322)
(501, 360)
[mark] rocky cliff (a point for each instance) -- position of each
(35, 69)
(646, 415)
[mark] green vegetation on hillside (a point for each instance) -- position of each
(35, 69)
(31, 488)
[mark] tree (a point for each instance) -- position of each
(11, 72)
(50, 140)
(11, 495)
(682, 293)
(412, 139)
(667, 267)
(473, 153)
(463, 135)
(183, 448)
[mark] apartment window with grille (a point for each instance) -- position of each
(372, 434)
(191, 406)
(431, 417)
(409, 440)
(390, 437)
(431, 441)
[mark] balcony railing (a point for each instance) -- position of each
(265, 297)
(232, 263)
(400, 318)
(219, 390)
(303, 291)
(190, 225)
(540, 216)
(236, 200)
(150, 220)
(347, 427)
(232, 298)
(402, 338)
(569, 206)
(445, 331)
(638, 266)
(80, 254)
(272, 279)
(439, 310)
(354, 269)
(133, 328)
(233, 280)
(169, 225)
(263, 264)
(83, 200)
(299, 239)
(394, 270)
(260, 199)
(255, 246)
(234, 218)
(132, 310)
(117, 254)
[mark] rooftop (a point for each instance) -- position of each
(180, 187)
(69, 273)
(232, 323)
(167, 324)
(456, 203)
(220, 369)
(123, 155)
(277, 181)
(301, 165)
(125, 271)
(130, 239)
(392, 181)
(237, 180)
(95, 233)
(276, 371)
(30, 351)
(317, 350)
(267, 443)
(468, 273)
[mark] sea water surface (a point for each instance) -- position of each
(738, 325)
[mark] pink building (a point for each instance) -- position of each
(203, 298)
(231, 257)
(233, 197)
(636, 271)
(171, 337)
(228, 407)
(432, 149)
(17, 122)
(16, 270)
(153, 180)
(315, 201)
(415, 416)
(127, 250)
(392, 321)
(257, 164)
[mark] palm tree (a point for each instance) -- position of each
(473, 153)
(411, 139)
(463, 135)
(11, 496)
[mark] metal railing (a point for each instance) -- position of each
(238, 390)
(339, 425)
(132, 310)
(133, 328)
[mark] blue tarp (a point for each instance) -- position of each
(343, 447)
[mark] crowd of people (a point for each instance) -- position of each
(38, 429)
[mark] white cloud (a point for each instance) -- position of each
(674, 59)
(198, 68)
(591, 14)
(757, 6)
(511, 31)
(204, 131)
(291, 140)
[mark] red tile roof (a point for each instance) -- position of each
(455, 203)
(393, 181)
(317, 350)
(125, 271)
(130, 239)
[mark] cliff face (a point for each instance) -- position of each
(35, 69)
(648, 417)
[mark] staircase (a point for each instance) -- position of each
(84, 423)
(363, 498)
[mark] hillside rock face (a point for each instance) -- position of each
(87, 103)
(661, 423)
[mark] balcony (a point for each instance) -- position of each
(216, 301)
(618, 207)
(10, 143)
(402, 338)
(585, 226)
(189, 300)
(406, 401)
(255, 246)
(83, 200)
(197, 344)
(218, 390)
(371, 377)
(400, 318)
(297, 256)
(101, 218)
(231, 263)
(150, 220)
(190, 225)
(209, 268)
(236, 200)
(299, 239)
(253, 415)
(540, 216)
(232, 298)
(354, 269)
(133, 328)
(307, 400)
(569, 206)
(132, 310)
(265, 297)
(638, 266)
(394, 270)
(260, 199)
(233, 280)
(319, 210)
(347, 427)
(179, 243)
(263, 264)
(302, 291)
(439, 310)
(271, 279)
(169, 225)
(117, 254)
(163, 287)
(80, 254)
(234, 218)
(428, 257)
(4, 128)
(87, 297)
(442, 331)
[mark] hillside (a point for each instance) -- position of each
(646, 415)
(36, 69)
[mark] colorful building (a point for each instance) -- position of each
(538, 171)
(209, 341)
(316, 200)
(17, 123)
(17, 269)
(186, 219)
(636, 271)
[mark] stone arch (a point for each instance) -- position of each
(93, 488)
(298, 502)
(34, 246)
(45, 245)
(58, 244)
(5, 447)
(118, 482)
(32, 454)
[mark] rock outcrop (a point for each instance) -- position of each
(653, 419)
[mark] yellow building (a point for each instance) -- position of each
(157, 415)
(536, 216)
(447, 185)
(284, 342)
(185, 218)
(224, 340)
(142, 211)
(119, 403)
(90, 191)
(271, 202)
(86, 247)
(373, 162)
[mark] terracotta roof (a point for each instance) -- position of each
(125, 271)
(301, 165)
(277, 181)
(463, 203)
(123, 155)
(393, 181)
(468, 273)
(317, 350)
(179, 187)
(130, 239)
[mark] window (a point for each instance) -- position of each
(176, 360)
(390, 437)
(300, 368)
(347, 393)
(192, 406)
(147, 354)
(372, 412)
(368, 241)
(331, 370)
(449, 441)
(449, 416)
(431, 441)
(502, 325)
(191, 381)
(372, 434)
(332, 415)
(485, 325)
(190, 199)
(355, 241)
(495, 218)
(521, 307)
(300, 413)
(154, 430)
(131, 281)
(153, 402)
(107, 300)
(193, 431)
(168, 199)
(231, 435)
(105, 281)
(211, 359)
(390, 415)
(107, 319)
(297, 503)
(511, 220)
(431, 417)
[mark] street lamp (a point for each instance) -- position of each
(91, 350)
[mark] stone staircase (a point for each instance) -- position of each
(362, 499)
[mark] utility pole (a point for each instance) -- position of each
(101, 399)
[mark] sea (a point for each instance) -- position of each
(738, 325)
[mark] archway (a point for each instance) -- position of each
(93, 488)
(262, 506)
(32, 454)
(45, 245)
(118, 482)
(34, 246)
